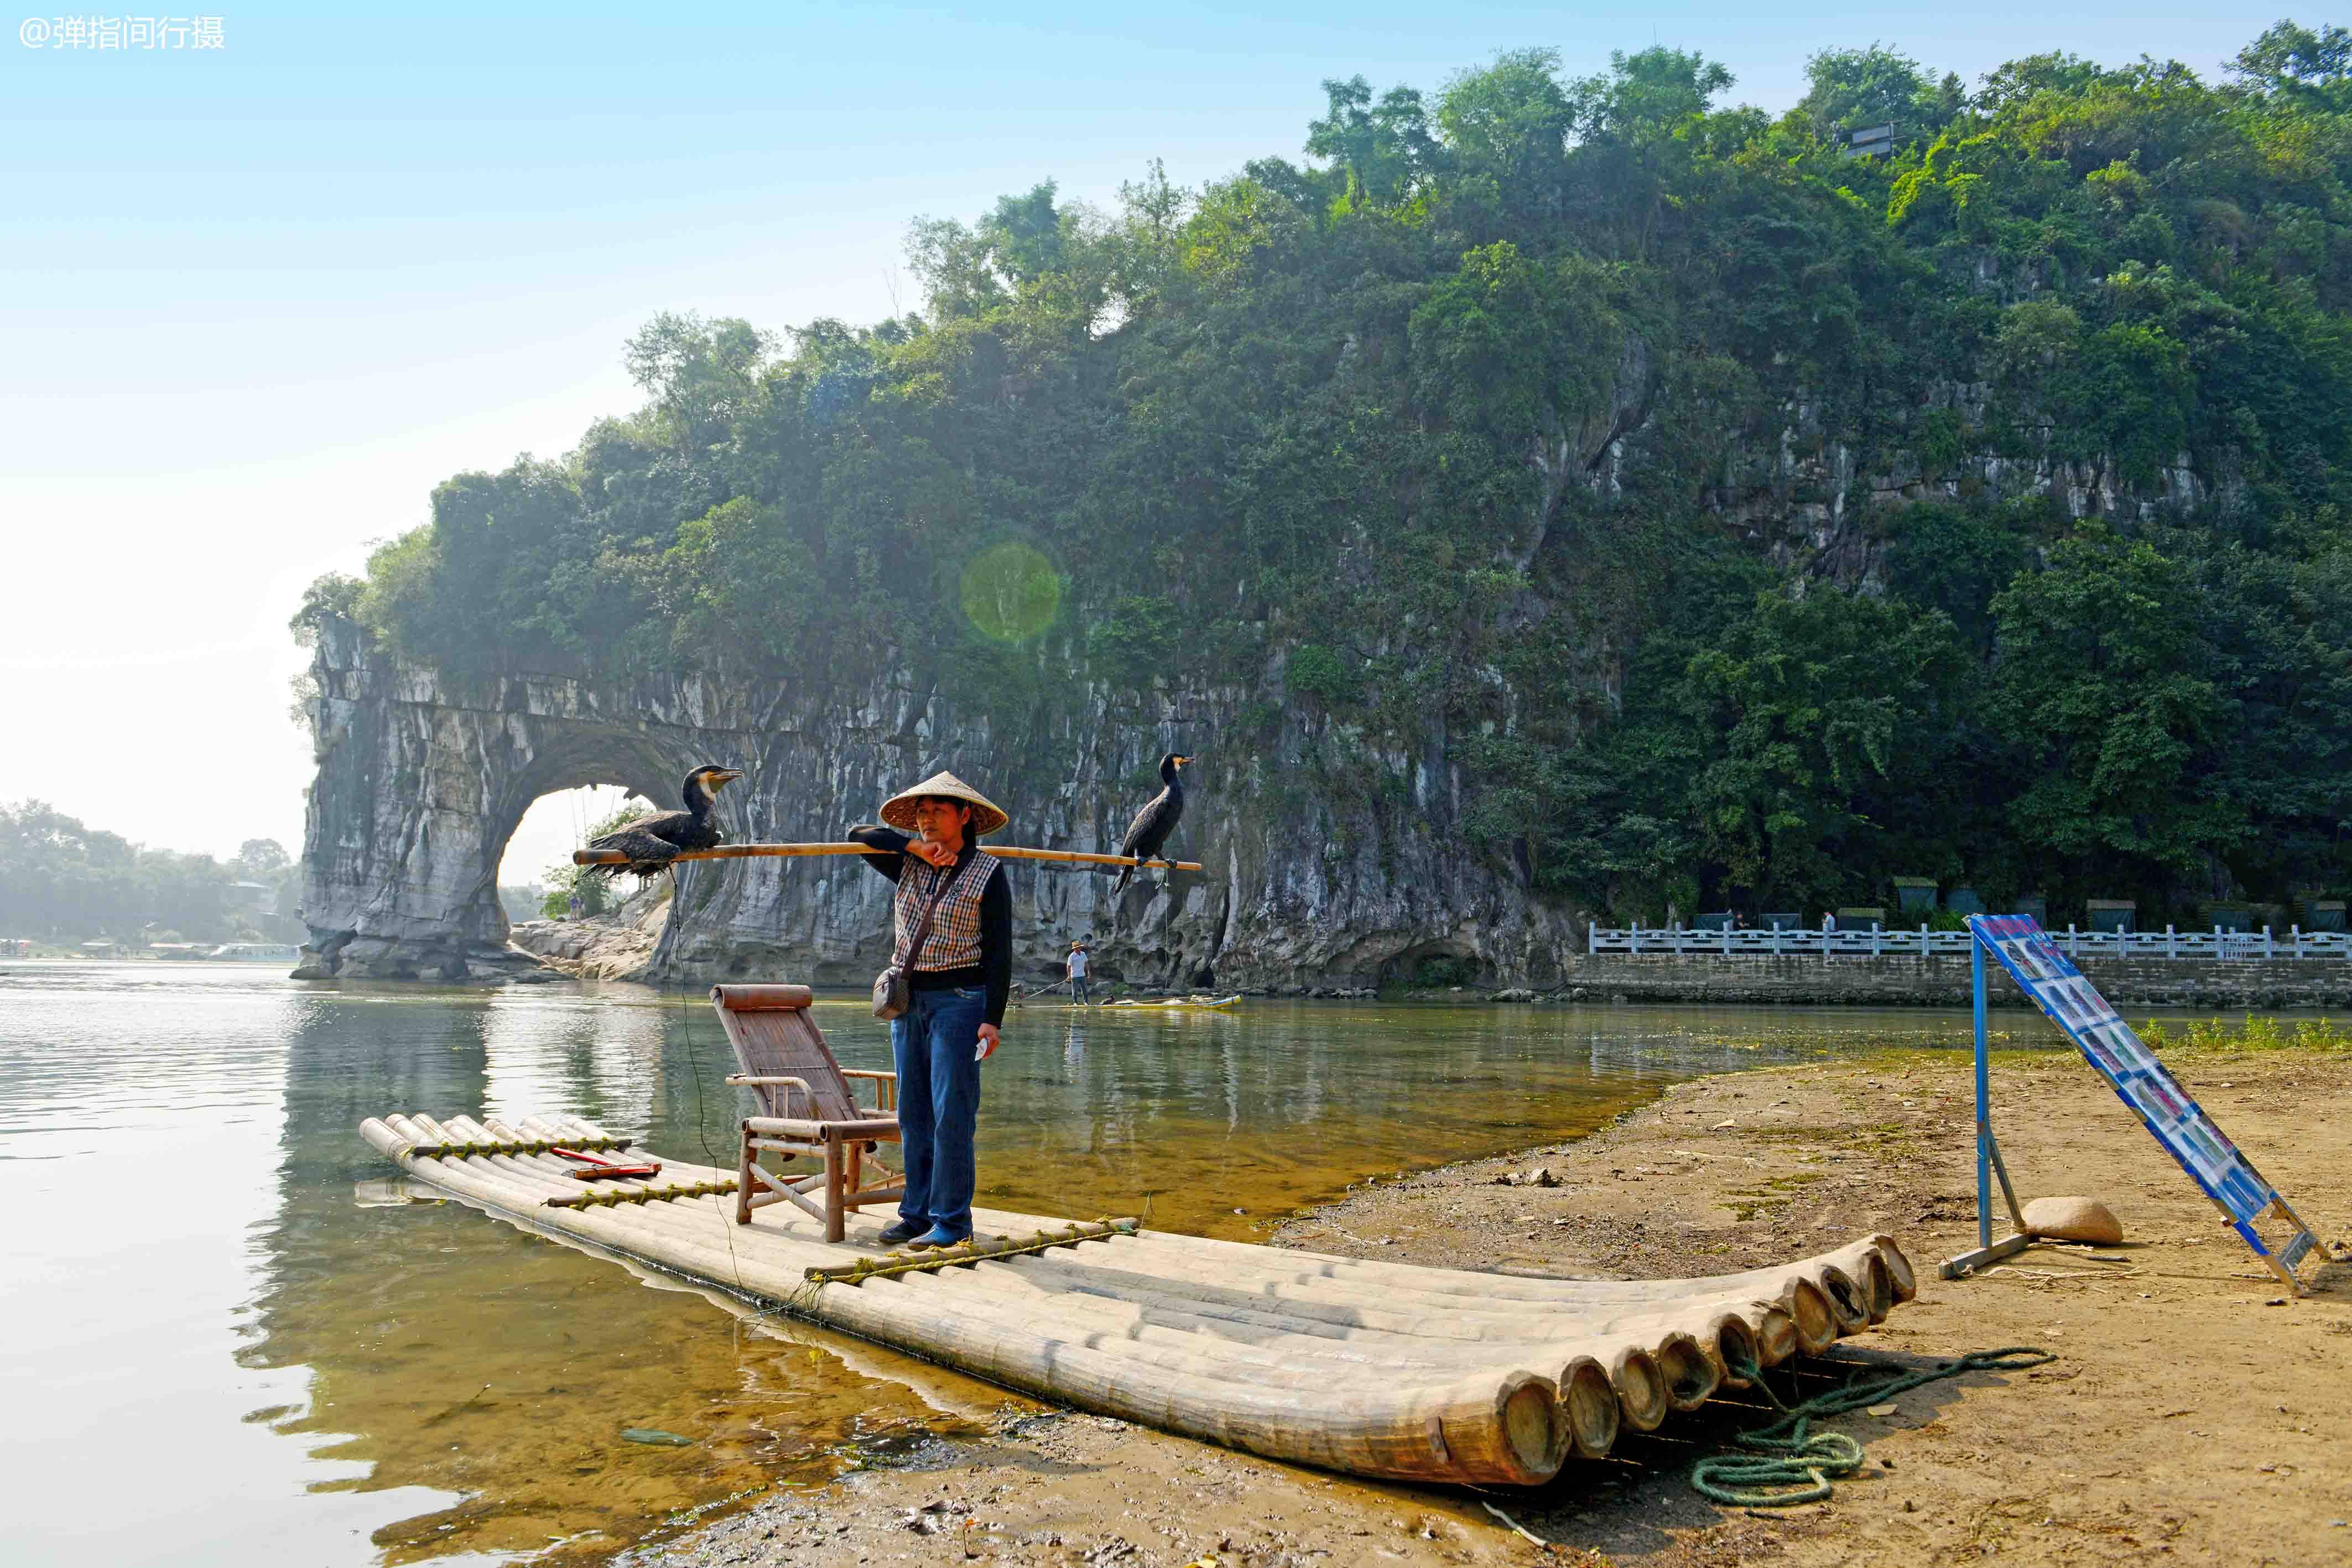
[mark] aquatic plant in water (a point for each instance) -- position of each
(2255, 1033)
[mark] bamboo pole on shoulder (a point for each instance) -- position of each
(796, 851)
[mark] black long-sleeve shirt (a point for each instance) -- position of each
(995, 970)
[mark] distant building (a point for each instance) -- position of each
(256, 952)
(1875, 141)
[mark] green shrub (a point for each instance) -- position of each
(2255, 1033)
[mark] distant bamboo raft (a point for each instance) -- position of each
(1376, 1368)
(791, 852)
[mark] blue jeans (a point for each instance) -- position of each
(932, 1044)
(1078, 988)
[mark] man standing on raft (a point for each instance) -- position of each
(958, 984)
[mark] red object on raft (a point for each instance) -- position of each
(601, 1168)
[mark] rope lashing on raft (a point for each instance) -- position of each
(1787, 1453)
(606, 1199)
(530, 1146)
(867, 1269)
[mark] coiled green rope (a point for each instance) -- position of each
(1790, 1454)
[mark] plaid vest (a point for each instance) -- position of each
(953, 940)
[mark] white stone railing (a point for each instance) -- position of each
(2165, 943)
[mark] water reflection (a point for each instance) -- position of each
(544, 1052)
(215, 1274)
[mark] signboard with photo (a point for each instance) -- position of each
(2055, 986)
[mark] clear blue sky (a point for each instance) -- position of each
(258, 301)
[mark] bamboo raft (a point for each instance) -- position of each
(1375, 1368)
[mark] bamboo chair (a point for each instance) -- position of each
(805, 1108)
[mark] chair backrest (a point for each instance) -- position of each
(775, 1037)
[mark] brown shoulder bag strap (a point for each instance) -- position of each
(923, 927)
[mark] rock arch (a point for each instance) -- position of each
(424, 774)
(422, 781)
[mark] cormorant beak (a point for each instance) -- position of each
(1183, 762)
(718, 775)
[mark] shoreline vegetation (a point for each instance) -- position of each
(65, 885)
(2184, 1389)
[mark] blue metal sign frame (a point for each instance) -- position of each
(2050, 980)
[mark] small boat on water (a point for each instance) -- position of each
(1212, 1004)
(1352, 1364)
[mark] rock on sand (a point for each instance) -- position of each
(2073, 1219)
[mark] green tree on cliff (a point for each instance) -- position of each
(1711, 492)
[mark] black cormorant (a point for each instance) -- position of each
(1154, 822)
(652, 842)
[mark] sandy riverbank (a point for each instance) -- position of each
(2187, 1416)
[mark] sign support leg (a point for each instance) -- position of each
(1989, 1160)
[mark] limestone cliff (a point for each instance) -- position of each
(423, 776)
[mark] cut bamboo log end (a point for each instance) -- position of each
(1776, 1335)
(1640, 1388)
(1537, 1437)
(1904, 1282)
(1508, 1431)
(1849, 1302)
(1589, 1408)
(383, 1139)
(1688, 1375)
(1877, 1285)
(1810, 1317)
(1732, 1342)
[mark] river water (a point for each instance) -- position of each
(230, 1335)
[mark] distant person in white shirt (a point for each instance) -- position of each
(1077, 967)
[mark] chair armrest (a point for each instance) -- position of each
(886, 1086)
(762, 1081)
(817, 1131)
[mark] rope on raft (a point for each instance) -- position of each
(531, 1146)
(612, 1197)
(1790, 1454)
(867, 1269)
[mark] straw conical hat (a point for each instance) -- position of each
(899, 811)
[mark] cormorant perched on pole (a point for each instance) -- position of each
(651, 842)
(1154, 822)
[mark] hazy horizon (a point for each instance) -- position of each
(262, 300)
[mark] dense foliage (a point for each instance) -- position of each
(61, 881)
(1541, 414)
(597, 895)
